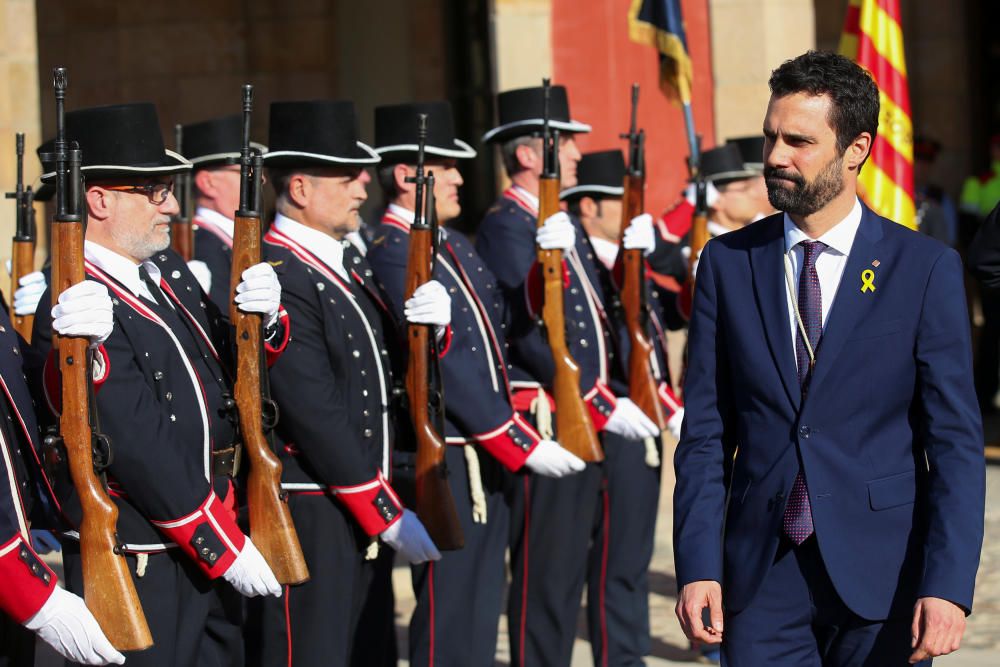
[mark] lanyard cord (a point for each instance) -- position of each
(790, 282)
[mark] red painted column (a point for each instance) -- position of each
(594, 58)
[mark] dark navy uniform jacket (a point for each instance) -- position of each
(160, 401)
(214, 246)
(506, 242)
(478, 401)
(334, 383)
(25, 581)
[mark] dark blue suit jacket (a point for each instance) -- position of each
(889, 436)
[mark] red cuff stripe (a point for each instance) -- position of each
(27, 581)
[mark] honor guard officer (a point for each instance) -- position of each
(163, 399)
(752, 151)
(30, 599)
(213, 148)
(551, 520)
(487, 434)
(334, 387)
(622, 546)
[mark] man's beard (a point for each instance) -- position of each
(138, 243)
(805, 198)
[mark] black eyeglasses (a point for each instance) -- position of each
(156, 192)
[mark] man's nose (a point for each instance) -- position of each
(170, 206)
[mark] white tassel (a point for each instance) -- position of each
(141, 561)
(476, 492)
(543, 415)
(371, 553)
(652, 453)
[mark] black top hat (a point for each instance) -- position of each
(216, 141)
(396, 132)
(316, 133)
(120, 140)
(751, 150)
(724, 163)
(521, 112)
(600, 174)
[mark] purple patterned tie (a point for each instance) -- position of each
(797, 522)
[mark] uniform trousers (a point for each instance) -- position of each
(797, 619)
(551, 524)
(317, 622)
(620, 554)
(17, 644)
(195, 622)
(459, 598)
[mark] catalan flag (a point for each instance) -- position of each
(873, 38)
(659, 23)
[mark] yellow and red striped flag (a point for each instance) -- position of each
(873, 38)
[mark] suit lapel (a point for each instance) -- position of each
(851, 305)
(767, 265)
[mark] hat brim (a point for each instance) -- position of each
(172, 163)
(736, 175)
(460, 150)
(362, 155)
(584, 190)
(232, 157)
(530, 125)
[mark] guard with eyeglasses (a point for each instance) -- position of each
(164, 398)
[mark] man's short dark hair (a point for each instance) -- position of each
(851, 88)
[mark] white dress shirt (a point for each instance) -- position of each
(328, 249)
(122, 269)
(607, 251)
(829, 264)
(528, 197)
(215, 219)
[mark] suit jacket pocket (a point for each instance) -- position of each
(866, 330)
(892, 491)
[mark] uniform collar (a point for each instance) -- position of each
(839, 238)
(528, 197)
(404, 214)
(329, 250)
(215, 219)
(121, 268)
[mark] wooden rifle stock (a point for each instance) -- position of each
(181, 228)
(271, 528)
(108, 587)
(642, 386)
(574, 427)
(699, 237)
(22, 261)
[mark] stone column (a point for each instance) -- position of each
(749, 39)
(522, 42)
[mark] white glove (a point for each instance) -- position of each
(430, 304)
(65, 624)
(674, 423)
(639, 234)
(85, 310)
(629, 421)
(251, 575)
(549, 459)
(202, 274)
(260, 292)
(711, 194)
(410, 539)
(29, 293)
(558, 233)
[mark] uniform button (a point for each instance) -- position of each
(356, 260)
(175, 274)
(364, 392)
(578, 308)
(170, 395)
(363, 372)
(17, 352)
(199, 540)
(212, 557)
(804, 431)
(474, 349)
(355, 353)
(320, 286)
(573, 290)
(202, 303)
(157, 375)
(584, 343)
(173, 418)
(350, 336)
(368, 432)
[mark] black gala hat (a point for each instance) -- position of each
(599, 174)
(47, 188)
(724, 163)
(316, 133)
(214, 142)
(121, 140)
(520, 112)
(752, 151)
(396, 132)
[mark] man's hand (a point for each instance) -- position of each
(549, 459)
(695, 597)
(938, 626)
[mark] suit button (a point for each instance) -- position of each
(368, 432)
(804, 431)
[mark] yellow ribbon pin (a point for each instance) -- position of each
(867, 280)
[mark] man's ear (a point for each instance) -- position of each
(100, 203)
(299, 190)
(399, 174)
(588, 208)
(204, 182)
(858, 150)
(526, 155)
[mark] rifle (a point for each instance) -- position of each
(23, 251)
(435, 504)
(271, 527)
(108, 588)
(699, 220)
(642, 385)
(181, 229)
(574, 427)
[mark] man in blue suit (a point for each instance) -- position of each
(830, 475)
